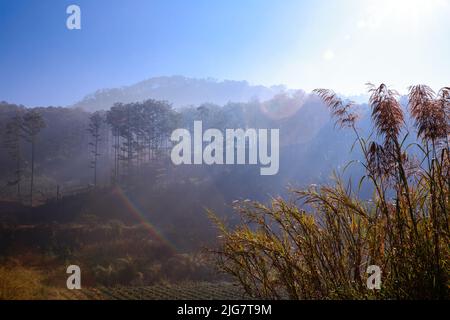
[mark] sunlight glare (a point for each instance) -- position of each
(399, 12)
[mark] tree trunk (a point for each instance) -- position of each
(32, 172)
(19, 177)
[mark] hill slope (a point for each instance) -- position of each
(180, 91)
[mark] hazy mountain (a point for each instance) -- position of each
(180, 91)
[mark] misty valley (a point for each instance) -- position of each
(159, 201)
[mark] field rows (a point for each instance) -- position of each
(193, 291)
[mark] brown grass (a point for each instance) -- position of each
(319, 245)
(19, 283)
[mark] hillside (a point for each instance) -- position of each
(180, 91)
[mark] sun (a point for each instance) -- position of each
(414, 8)
(399, 12)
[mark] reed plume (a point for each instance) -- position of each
(342, 111)
(387, 113)
(430, 112)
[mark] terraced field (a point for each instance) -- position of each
(192, 291)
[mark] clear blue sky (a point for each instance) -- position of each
(303, 44)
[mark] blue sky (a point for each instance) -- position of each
(339, 44)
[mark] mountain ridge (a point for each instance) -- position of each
(180, 91)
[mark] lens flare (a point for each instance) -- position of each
(134, 209)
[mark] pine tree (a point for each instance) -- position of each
(12, 141)
(95, 125)
(33, 123)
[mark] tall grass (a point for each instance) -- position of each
(319, 244)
